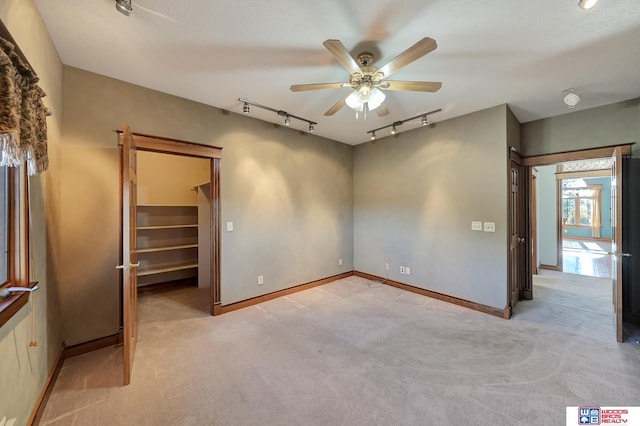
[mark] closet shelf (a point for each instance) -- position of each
(189, 225)
(166, 248)
(153, 271)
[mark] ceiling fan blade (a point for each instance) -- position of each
(416, 51)
(337, 106)
(382, 110)
(413, 86)
(342, 55)
(317, 86)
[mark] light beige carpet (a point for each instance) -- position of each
(355, 352)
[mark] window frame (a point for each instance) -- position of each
(18, 260)
(577, 198)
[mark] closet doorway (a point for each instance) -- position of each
(172, 232)
(170, 204)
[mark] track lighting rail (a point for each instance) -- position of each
(395, 124)
(285, 114)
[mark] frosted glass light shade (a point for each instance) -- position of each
(373, 98)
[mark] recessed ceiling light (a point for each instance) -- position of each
(587, 4)
(124, 7)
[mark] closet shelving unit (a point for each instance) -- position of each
(167, 242)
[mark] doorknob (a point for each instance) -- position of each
(119, 266)
(619, 254)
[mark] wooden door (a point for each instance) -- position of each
(533, 238)
(214, 196)
(129, 256)
(616, 246)
(514, 234)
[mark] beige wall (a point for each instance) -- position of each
(24, 369)
(289, 195)
(415, 196)
(169, 179)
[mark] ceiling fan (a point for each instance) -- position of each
(368, 82)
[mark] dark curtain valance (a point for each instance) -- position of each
(23, 123)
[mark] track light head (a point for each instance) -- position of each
(287, 120)
(373, 136)
(393, 130)
(124, 7)
(424, 120)
(311, 128)
(245, 108)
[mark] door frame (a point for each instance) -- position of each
(164, 145)
(549, 159)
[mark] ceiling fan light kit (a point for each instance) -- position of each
(285, 114)
(368, 82)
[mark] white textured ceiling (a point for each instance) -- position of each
(520, 52)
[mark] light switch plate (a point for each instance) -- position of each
(229, 226)
(476, 226)
(489, 227)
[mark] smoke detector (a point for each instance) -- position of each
(571, 98)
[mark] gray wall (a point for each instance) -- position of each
(23, 368)
(415, 196)
(289, 195)
(547, 216)
(613, 124)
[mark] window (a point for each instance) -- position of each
(580, 206)
(5, 228)
(13, 239)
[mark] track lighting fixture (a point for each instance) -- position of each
(587, 4)
(124, 7)
(571, 98)
(281, 113)
(424, 120)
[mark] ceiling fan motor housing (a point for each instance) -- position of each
(365, 59)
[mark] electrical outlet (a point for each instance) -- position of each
(339, 262)
(402, 270)
(386, 266)
(260, 280)
(476, 226)
(489, 227)
(407, 270)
